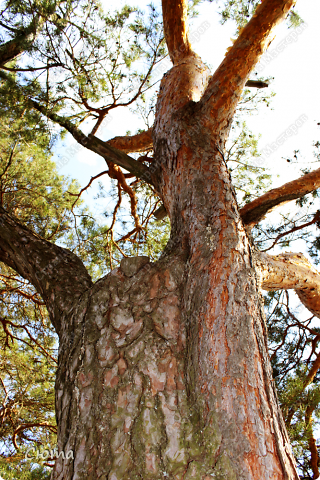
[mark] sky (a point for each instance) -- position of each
(289, 124)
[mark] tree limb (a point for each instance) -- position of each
(59, 276)
(312, 372)
(176, 30)
(90, 142)
(254, 211)
(224, 89)
(121, 159)
(136, 143)
(290, 271)
(256, 84)
(21, 42)
(312, 441)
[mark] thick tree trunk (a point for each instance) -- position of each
(163, 368)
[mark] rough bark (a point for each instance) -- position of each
(290, 271)
(163, 368)
(135, 143)
(254, 211)
(58, 275)
(176, 30)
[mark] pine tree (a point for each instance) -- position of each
(163, 367)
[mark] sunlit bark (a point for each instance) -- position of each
(135, 143)
(163, 368)
(176, 29)
(254, 211)
(290, 271)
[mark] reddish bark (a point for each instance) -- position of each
(163, 368)
(136, 143)
(176, 30)
(254, 211)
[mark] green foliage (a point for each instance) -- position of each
(25, 472)
(97, 60)
(240, 11)
(250, 180)
(31, 190)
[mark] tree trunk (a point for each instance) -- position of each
(163, 368)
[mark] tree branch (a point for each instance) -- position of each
(290, 271)
(90, 142)
(136, 143)
(315, 219)
(224, 89)
(254, 211)
(256, 84)
(59, 276)
(32, 69)
(176, 30)
(121, 159)
(312, 441)
(21, 42)
(143, 141)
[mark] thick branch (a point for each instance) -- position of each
(21, 42)
(224, 88)
(121, 159)
(176, 30)
(136, 143)
(290, 271)
(58, 275)
(256, 84)
(91, 142)
(253, 212)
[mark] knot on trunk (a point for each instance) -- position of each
(131, 265)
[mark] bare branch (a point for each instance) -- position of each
(78, 195)
(136, 143)
(32, 69)
(224, 89)
(176, 30)
(254, 211)
(315, 219)
(290, 271)
(256, 84)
